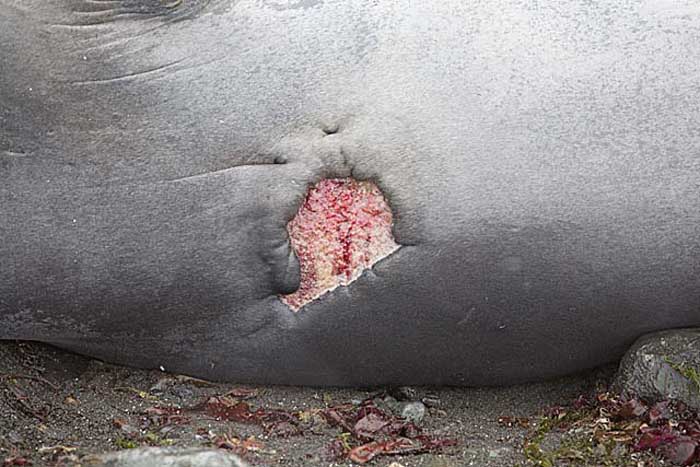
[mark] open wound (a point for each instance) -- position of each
(342, 228)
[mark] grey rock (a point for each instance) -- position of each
(438, 461)
(431, 400)
(168, 457)
(162, 385)
(404, 393)
(389, 404)
(14, 437)
(181, 391)
(499, 452)
(662, 365)
(413, 411)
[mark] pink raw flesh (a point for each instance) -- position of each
(342, 228)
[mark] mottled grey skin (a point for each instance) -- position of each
(542, 160)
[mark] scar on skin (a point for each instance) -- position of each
(342, 228)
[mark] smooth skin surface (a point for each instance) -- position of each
(542, 161)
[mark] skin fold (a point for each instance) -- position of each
(541, 162)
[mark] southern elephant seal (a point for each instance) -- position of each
(537, 165)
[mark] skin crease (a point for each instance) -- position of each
(539, 159)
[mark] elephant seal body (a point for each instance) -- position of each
(541, 161)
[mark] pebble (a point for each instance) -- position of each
(664, 365)
(499, 452)
(413, 412)
(167, 457)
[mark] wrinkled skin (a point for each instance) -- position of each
(542, 161)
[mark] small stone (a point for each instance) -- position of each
(405, 393)
(664, 365)
(413, 412)
(389, 404)
(162, 385)
(499, 452)
(439, 461)
(70, 400)
(181, 391)
(167, 457)
(390, 401)
(431, 400)
(14, 437)
(123, 426)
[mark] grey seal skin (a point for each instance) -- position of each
(541, 159)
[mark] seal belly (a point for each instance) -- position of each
(541, 172)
